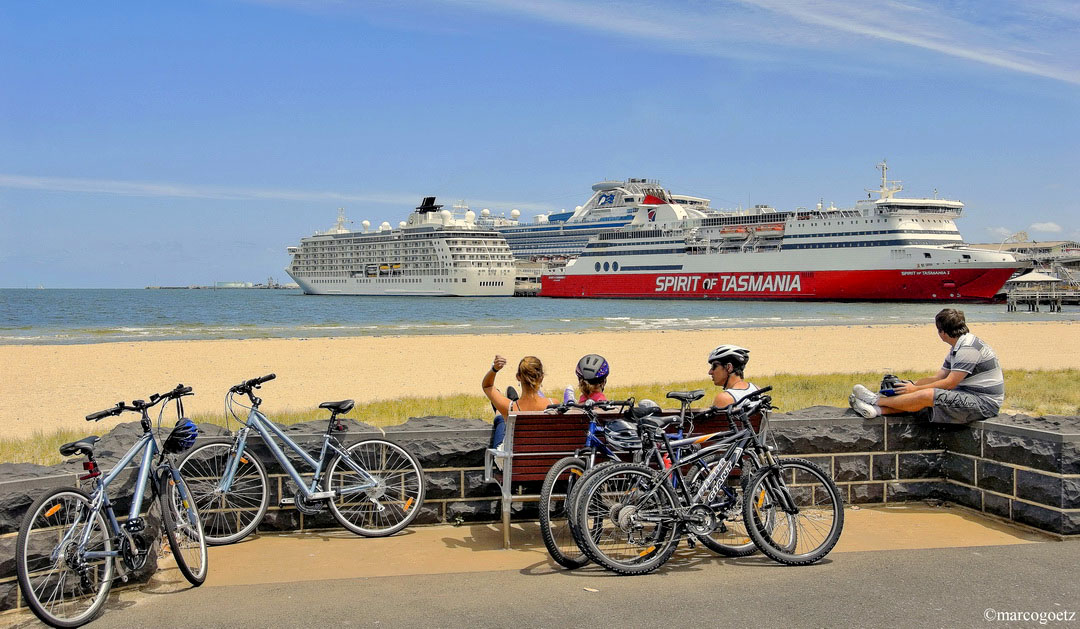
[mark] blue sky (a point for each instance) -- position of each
(153, 143)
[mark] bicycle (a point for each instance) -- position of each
(373, 488)
(791, 509)
(730, 538)
(561, 480)
(69, 539)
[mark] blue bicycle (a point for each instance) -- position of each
(557, 492)
(70, 540)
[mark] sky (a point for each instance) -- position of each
(191, 143)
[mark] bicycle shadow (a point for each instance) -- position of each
(485, 537)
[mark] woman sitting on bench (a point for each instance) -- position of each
(530, 374)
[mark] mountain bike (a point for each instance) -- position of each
(635, 515)
(373, 488)
(730, 537)
(70, 540)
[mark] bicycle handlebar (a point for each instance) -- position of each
(247, 385)
(139, 405)
(115, 410)
(588, 405)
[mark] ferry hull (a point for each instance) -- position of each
(952, 284)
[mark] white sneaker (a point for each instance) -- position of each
(868, 411)
(864, 394)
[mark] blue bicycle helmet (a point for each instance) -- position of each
(592, 368)
(182, 436)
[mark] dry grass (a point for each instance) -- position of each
(1030, 392)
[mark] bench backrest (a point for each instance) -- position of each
(538, 439)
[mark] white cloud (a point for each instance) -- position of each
(157, 189)
(1001, 232)
(1046, 227)
(1035, 37)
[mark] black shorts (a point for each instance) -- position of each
(959, 407)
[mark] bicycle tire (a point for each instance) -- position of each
(591, 526)
(799, 538)
(400, 478)
(231, 516)
(183, 528)
(62, 507)
(555, 523)
(734, 541)
(625, 497)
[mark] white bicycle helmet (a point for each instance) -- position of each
(730, 354)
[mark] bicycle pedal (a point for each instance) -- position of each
(287, 502)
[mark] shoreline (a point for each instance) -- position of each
(44, 388)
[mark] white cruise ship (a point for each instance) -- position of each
(565, 234)
(432, 253)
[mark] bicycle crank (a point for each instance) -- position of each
(700, 520)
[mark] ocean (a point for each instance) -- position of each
(62, 316)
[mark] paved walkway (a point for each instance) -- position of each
(906, 565)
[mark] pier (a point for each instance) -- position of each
(1035, 301)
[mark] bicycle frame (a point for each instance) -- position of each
(268, 430)
(734, 444)
(99, 498)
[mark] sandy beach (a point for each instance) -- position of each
(48, 387)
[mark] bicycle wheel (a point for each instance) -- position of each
(61, 585)
(385, 499)
(180, 517)
(627, 519)
(228, 516)
(806, 531)
(730, 538)
(555, 524)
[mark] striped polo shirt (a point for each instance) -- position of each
(985, 379)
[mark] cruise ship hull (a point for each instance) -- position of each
(936, 284)
(484, 284)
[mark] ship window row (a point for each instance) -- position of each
(946, 232)
(866, 243)
(493, 283)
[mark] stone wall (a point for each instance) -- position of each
(1019, 468)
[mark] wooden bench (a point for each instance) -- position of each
(535, 440)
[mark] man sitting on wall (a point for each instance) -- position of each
(969, 386)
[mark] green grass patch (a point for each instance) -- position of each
(1030, 392)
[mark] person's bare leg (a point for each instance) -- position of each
(906, 402)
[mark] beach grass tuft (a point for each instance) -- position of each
(1027, 391)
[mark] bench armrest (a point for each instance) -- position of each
(490, 455)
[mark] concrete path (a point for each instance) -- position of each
(896, 566)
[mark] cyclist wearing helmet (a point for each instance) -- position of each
(726, 365)
(592, 372)
(530, 375)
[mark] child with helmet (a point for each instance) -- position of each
(726, 366)
(592, 372)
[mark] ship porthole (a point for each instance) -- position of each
(597, 267)
(606, 266)
(614, 266)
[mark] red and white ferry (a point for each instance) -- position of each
(884, 249)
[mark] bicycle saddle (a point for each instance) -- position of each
(341, 406)
(687, 396)
(82, 446)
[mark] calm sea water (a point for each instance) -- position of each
(103, 315)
